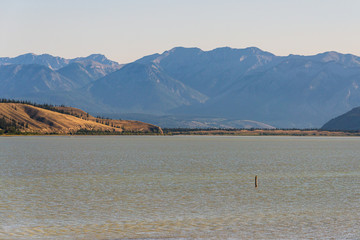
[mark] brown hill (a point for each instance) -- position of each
(64, 120)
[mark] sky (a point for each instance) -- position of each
(125, 30)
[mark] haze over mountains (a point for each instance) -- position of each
(191, 87)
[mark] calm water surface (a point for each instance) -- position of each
(179, 187)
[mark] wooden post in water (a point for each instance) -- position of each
(256, 181)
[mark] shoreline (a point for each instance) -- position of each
(216, 132)
(263, 132)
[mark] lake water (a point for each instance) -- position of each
(151, 187)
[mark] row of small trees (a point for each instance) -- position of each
(44, 106)
(8, 127)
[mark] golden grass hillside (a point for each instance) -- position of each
(126, 125)
(28, 118)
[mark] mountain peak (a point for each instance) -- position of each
(28, 54)
(100, 58)
(331, 56)
(254, 49)
(184, 48)
(54, 62)
(97, 56)
(183, 51)
(31, 58)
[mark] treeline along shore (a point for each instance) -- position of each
(258, 132)
(27, 118)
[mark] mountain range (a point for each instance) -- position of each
(55, 63)
(189, 87)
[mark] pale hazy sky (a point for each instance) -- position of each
(125, 30)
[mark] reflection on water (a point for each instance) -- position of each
(179, 187)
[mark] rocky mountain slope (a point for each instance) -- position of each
(145, 89)
(292, 91)
(43, 59)
(188, 84)
(22, 76)
(21, 80)
(86, 71)
(53, 62)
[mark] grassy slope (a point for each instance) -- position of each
(38, 120)
(126, 125)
